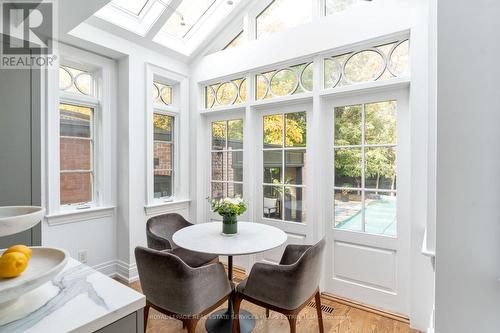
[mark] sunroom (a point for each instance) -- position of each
(249, 166)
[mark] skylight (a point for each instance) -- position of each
(132, 6)
(185, 17)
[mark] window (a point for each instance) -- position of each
(226, 93)
(281, 15)
(284, 82)
(163, 157)
(227, 159)
(284, 159)
(186, 16)
(76, 154)
(132, 6)
(163, 141)
(381, 62)
(335, 6)
(235, 42)
(365, 167)
(77, 136)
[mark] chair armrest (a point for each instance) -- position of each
(156, 242)
(274, 284)
(292, 253)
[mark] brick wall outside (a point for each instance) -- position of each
(75, 155)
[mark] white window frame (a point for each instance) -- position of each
(103, 104)
(180, 174)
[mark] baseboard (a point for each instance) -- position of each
(118, 269)
(365, 307)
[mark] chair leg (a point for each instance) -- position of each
(146, 316)
(319, 311)
(292, 319)
(236, 315)
(191, 325)
(267, 313)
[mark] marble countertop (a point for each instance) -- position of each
(79, 299)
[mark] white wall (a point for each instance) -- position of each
(381, 18)
(468, 166)
(111, 241)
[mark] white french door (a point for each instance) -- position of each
(366, 206)
(283, 180)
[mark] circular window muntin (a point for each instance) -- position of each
(235, 95)
(372, 49)
(297, 79)
(389, 56)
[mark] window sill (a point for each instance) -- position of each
(82, 215)
(162, 207)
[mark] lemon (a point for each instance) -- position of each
(20, 248)
(12, 264)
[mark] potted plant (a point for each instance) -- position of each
(229, 209)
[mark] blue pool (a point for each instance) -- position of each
(380, 216)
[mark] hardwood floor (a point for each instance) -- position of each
(343, 319)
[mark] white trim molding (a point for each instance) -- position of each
(81, 215)
(126, 272)
(166, 207)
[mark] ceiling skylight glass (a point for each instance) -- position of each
(185, 17)
(132, 6)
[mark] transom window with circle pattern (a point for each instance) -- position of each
(226, 93)
(76, 81)
(380, 62)
(162, 94)
(284, 82)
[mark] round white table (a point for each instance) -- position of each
(208, 238)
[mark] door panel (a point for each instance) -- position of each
(367, 226)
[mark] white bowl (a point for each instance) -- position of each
(45, 263)
(15, 219)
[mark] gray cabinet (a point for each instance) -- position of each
(133, 323)
(20, 148)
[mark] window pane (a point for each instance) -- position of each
(234, 190)
(348, 125)
(296, 129)
(235, 166)
(348, 213)
(281, 15)
(283, 82)
(163, 156)
(163, 183)
(162, 93)
(333, 70)
(273, 131)
(227, 93)
(306, 78)
(380, 214)
(75, 188)
(273, 163)
(399, 62)
(380, 170)
(364, 66)
(273, 202)
(295, 204)
(380, 123)
(76, 81)
(335, 6)
(219, 135)
(163, 127)
(262, 85)
(75, 121)
(76, 153)
(218, 166)
(185, 17)
(348, 165)
(218, 190)
(235, 134)
(295, 167)
(237, 41)
(133, 6)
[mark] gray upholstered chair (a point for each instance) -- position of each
(177, 290)
(160, 230)
(287, 287)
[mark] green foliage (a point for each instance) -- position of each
(228, 206)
